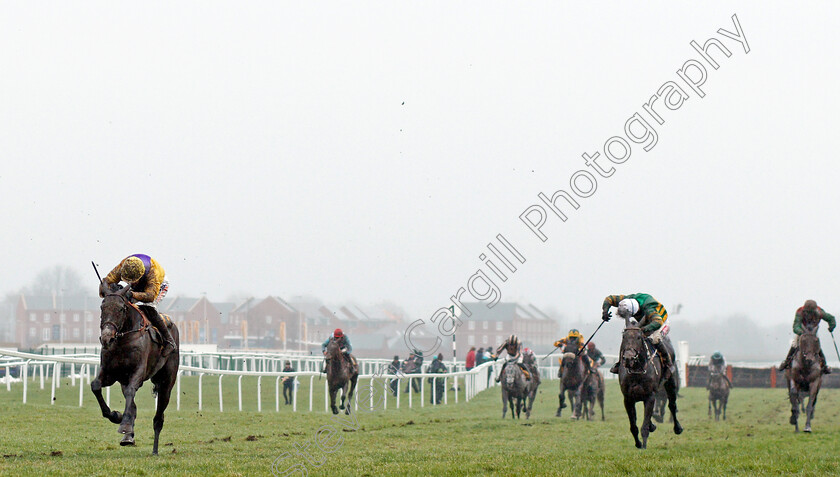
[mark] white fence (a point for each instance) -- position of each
(80, 369)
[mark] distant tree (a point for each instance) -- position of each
(58, 279)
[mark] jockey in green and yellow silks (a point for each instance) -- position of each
(650, 314)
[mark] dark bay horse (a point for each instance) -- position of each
(639, 374)
(592, 391)
(804, 375)
(341, 374)
(131, 355)
(718, 395)
(515, 390)
(574, 373)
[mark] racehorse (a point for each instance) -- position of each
(515, 387)
(639, 374)
(804, 375)
(341, 374)
(131, 355)
(574, 373)
(718, 395)
(593, 389)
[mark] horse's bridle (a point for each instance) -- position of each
(119, 334)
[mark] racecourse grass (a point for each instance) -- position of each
(456, 439)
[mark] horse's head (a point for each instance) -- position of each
(633, 344)
(114, 314)
(809, 346)
(333, 351)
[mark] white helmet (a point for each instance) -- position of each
(628, 307)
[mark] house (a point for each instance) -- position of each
(270, 323)
(492, 326)
(199, 321)
(56, 319)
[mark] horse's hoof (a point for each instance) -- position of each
(115, 417)
(127, 440)
(347, 411)
(807, 429)
(792, 421)
(335, 411)
(638, 445)
(651, 427)
(678, 429)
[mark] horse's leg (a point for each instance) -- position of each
(725, 399)
(576, 403)
(164, 393)
(96, 387)
(129, 391)
(562, 399)
(647, 424)
(711, 399)
(812, 402)
(671, 390)
(164, 381)
(333, 392)
(504, 402)
(350, 393)
(630, 407)
(793, 393)
(601, 402)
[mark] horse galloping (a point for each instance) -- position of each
(804, 375)
(574, 374)
(515, 388)
(131, 355)
(639, 374)
(341, 374)
(718, 395)
(593, 389)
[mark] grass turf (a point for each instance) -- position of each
(463, 439)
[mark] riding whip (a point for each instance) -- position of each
(549, 354)
(96, 270)
(590, 339)
(835, 344)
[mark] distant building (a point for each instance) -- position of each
(270, 323)
(56, 319)
(492, 326)
(199, 320)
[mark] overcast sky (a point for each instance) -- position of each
(369, 151)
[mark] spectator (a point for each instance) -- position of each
(288, 383)
(479, 357)
(471, 358)
(394, 368)
(439, 385)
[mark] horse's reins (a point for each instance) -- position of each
(119, 334)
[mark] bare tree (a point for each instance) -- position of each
(58, 279)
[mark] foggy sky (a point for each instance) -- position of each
(370, 151)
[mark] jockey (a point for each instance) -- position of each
(574, 337)
(513, 346)
(595, 355)
(650, 314)
(717, 365)
(809, 315)
(342, 340)
(146, 278)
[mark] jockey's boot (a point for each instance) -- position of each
(788, 359)
(157, 321)
(614, 368)
(825, 368)
(525, 370)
